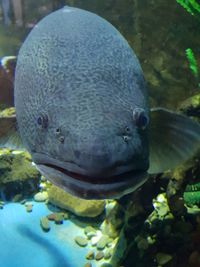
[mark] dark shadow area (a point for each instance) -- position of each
(58, 259)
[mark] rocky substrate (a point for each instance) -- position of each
(18, 177)
(100, 246)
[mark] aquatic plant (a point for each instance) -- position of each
(192, 62)
(192, 194)
(191, 6)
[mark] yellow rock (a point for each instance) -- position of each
(80, 207)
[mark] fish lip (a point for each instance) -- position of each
(89, 187)
(91, 190)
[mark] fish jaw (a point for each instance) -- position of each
(90, 187)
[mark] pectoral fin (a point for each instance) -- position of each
(173, 138)
(9, 136)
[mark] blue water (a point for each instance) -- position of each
(24, 244)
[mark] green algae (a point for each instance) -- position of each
(192, 194)
(7, 112)
(16, 167)
(18, 176)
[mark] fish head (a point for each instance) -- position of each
(93, 154)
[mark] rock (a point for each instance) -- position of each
(81, 241)
(51, 217)
(101, 244)
(44, 223)
(105, 264)
(29, 207)
(114, 220)
(163, 258)
(41, 196)
(142, 244)
(88, 264)
(89, 229)
(65, 216)
(7, 68)
(58, 218)
(191, 106)
(107, 254)
(99, 256)
(194, 259)
(96, 238)
(18, 176)
(90, 235)
(17, 198)
(80, 207)
(90, 255)
(161, 205)
(109, 243)
(90, 232)
(23, 201)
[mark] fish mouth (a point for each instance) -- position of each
(91, 187)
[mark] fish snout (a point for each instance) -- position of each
(101, 157)
(94, 158)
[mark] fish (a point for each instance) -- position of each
(82, 110)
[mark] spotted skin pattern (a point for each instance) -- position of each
(78, 70)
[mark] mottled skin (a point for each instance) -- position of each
(77, 84)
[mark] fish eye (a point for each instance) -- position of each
(42, 121)
(140, 118)
(127, 129)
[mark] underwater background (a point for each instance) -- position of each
(159, 225)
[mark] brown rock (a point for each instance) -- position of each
(99, 256)
(80, 207)
(81, 241)
(90, 255)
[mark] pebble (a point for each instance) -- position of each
(58, 218)
(163, 258)
(17, 198)
(81, 241)
(107, 255)
(99, 256)
(51, 216)
(109, 243)
(105, 264)
(194, 259)
(23, 201)
(90, 255)
(88, 264)
(89, 229)
(101, 244)
(65, 216)
(43, 179)
(89, 232)
(44, 223)
(95, 239)
(41, 196)
(143, 244)
(29, 207)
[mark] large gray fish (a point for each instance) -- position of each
(82, 110)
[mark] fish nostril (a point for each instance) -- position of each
(61, 139)
(126, 138)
